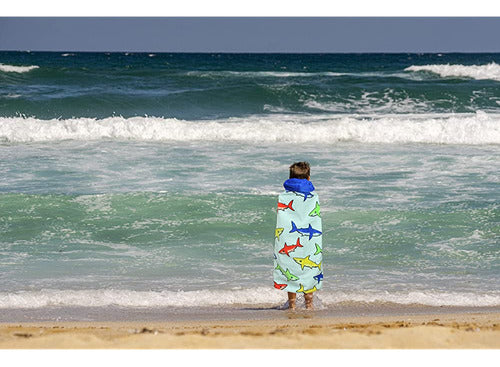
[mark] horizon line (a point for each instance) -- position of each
(264, 52)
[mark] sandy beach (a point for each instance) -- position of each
(299, 330)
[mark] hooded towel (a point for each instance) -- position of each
(297, 244)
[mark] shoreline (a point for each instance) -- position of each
(234, 313)
(298, 330)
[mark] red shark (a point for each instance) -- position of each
(279, 286)
(282, 206)
(286, 249)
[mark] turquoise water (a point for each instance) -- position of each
(152, 180)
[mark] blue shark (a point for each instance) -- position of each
(306, 195)
(305, 231)
(319, 277)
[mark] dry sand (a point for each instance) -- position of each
(299, 330)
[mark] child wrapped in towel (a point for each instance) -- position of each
(298, 246)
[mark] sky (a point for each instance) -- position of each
(247, 34)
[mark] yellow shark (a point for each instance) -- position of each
(302, 290)
(278, 233)
(304, 261)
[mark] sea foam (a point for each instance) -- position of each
(488, 71)
(17, 69)
(256, 74)
(210, 298)
(476, 129)
(297, 74)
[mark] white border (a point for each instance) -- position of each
(251, 8)
(250, 358)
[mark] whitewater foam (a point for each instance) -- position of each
(12, 96)
(388, 101)
(488, 71)
(254, 296)
(253, 74)
(17, 69)
(297, 74)
(478, 128)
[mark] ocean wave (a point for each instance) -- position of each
(253, 74)
(388, 101)
(298, 74)
(488, 71)
(11, 96)
(210, 298)
(478, 128)
(17, 69)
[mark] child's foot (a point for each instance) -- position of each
(291, 305)
(291, 301)
(309, 301)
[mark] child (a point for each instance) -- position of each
(298, 246)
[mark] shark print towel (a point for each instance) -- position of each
(297, 242)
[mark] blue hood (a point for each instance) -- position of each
(299, 185)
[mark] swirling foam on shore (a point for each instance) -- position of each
(201, 298)
(488, 71)
(476, 129)
(17, 69)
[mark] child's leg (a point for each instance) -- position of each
(291, 300)
(309, 300)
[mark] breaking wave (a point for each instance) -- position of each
(210, 298)
(17, 69)
(388, 101)
(488, 71)
(253, 74)
(296, 74)
(474, 128)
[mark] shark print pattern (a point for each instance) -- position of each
(319, 277)
(305, 195)
(309, 231)
(282, 206)
(279, 286)
(289, 248)
(318, 249)
(316, 211)
(278, 233)
(304, 261)
(302, 290)
(298, 246)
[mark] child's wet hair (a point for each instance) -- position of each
(300, 170)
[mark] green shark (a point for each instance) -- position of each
(289, 276)
(316, 211)
(318, 249)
